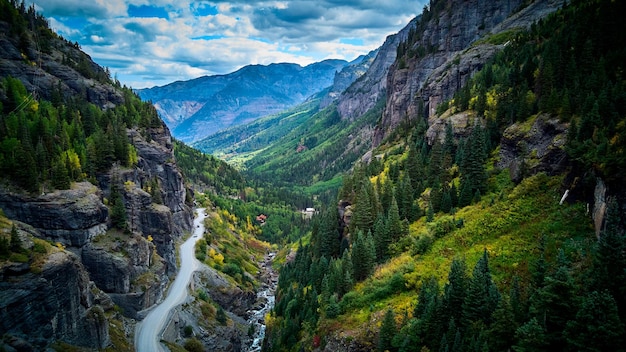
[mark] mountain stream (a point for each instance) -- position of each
(266, 300)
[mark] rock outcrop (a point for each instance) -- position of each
(164, 222)
(537, 145)
(72, 217)
(52, 302)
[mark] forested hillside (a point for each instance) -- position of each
(459, 237)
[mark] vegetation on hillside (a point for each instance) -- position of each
(399, 277)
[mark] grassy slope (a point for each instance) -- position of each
(508, 224)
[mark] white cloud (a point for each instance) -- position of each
(225, 36)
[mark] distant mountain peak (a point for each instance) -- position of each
(200, 107)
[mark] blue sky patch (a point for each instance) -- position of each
(147, 11)
(351, 41)
(209, 37)
(205, 10)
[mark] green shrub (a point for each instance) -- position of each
(188, 330)
(193, 345)
(18, 257)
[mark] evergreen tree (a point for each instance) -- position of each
(414, 166)
(609, 269)
(473, 175)
(404, 198)
(16, 242)
(363, 212)
(597, 326)
(554, 305)
(118, 210)
(531, 337)
(329, 235)
(394, 225)
(501, 334)
(482, 294)
(517, 305)
(221, 315)
(455, 290)
(347, 272)
(363, 256)
(382, 240)
(387, 332)
(60, 177)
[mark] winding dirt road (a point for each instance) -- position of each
(148, 331)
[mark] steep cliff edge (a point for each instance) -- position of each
(51, 298)
(445, 52)
(369, 88)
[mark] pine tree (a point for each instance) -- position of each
(16, 242)
(394, 225)
(455, 290)
(329, 234)
(404, 198)
(118, 210)
(363, 256)
(517, 305)
(473, 175)
(347, 272)
(363, 212)
(60, 177)
(221, 316)
(482, 294)
(501, 334)
(609, 269)
(554, 305)
(531, 337)
(382, 240)
(387, 332)
(597, 326)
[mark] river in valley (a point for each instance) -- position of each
(148, 331)
(266, 300)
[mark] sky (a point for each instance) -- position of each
(148, 43)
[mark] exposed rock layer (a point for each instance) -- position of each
(55, 304)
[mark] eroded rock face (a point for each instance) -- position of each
(163, 222)
(55, 303)
(363, 94)
(72, 217)
(537, 145)
(419, 84)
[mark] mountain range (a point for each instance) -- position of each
(203, 106)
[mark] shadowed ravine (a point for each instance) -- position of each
(148, 331)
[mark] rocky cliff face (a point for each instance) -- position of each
(54, 301)
(363, 94)
(446, 53)
(72, 217)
